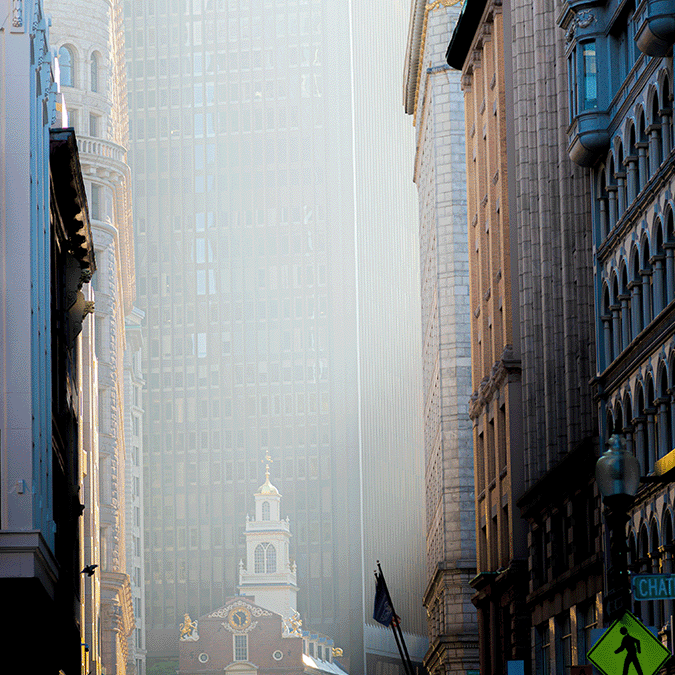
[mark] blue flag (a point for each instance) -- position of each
(382, 612)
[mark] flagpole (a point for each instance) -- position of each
(394, 625)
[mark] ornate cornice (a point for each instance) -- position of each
(508, 364)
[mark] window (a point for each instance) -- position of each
(93, 125)
(590, 76)
(241, 647)
(542, 650)
(265, 558)
(95, 202)
(93, 71)
(564, 644)
(266, 511)
(587, 620)
(67, 66)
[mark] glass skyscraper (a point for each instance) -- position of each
(242, 126)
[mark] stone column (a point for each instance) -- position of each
(658, 267)
(662, 427)
(654, 131)
(604, 228)
(670, 271)
(626, 337)
(651, 438)
(616, 329)
(636, 315)
(646, 296)
(666, 130)
(643, 168)
(640, 446)
(631, 163)
(613, 214)
(621, 193)
(607, 335)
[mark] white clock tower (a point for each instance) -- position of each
(269, 575)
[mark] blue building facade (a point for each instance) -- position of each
(621, 98)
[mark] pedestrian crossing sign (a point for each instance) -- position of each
(627, 647)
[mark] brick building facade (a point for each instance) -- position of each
(240, 637)
(479, 49)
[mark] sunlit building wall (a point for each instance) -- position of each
(89, 40)
(247, 228)
(433, 98)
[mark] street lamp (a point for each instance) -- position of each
(617, 473)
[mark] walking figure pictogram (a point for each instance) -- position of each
(632, 647)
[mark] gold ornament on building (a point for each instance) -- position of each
(188, 629)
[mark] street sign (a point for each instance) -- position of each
(628, 642)
(653, 586)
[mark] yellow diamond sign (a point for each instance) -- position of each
(627, 647)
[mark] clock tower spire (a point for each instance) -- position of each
(269, 575)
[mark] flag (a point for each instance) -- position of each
(382, 612)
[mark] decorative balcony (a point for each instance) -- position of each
(589, 134)
(655, 26)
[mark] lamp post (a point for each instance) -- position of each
(617, 473)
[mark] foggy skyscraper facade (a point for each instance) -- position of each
(243, 130)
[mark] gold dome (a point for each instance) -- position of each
(267, 488)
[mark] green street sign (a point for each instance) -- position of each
(653, 586)
(627, 647)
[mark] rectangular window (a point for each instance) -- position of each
(542, 650)
(241, 647)
(590, 76)
(95, 202)
(587, 620)
(572, 84)
(563, 643)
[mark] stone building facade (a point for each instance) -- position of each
(621, 125)
(479, 49)
(433, 98)
(551, 214)
(89, 41)
(46, 260)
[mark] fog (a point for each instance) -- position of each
(277, 266)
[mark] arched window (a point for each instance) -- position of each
(93, 70)
(265, 558)
(271, 559)
(259, 559)
(266, 511)
(67, 66)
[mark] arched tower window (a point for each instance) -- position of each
(259, 559)
(271, 559)
(265, 558)
(67, 66)
(266, 511)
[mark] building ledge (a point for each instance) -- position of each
(26, 555)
